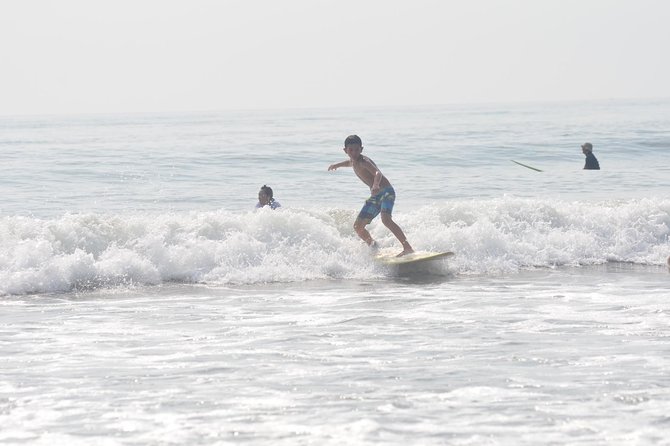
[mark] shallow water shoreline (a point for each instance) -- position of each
(552, 356)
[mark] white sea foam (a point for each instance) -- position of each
(81, 251)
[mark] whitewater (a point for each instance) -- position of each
(503, 236)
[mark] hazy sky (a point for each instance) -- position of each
(168, 55)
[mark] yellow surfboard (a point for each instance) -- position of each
(415, 257)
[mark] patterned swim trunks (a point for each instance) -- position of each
(382, 202)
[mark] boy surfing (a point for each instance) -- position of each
(382, 195)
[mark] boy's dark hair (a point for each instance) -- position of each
(353, 139)
(267, 190)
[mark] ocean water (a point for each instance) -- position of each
(144, 300)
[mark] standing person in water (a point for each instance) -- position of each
(382, 195)
(591, 161)
(265, 198)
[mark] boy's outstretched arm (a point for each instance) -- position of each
(346, 163)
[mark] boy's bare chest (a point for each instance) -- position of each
(361, 168)
(364, 164)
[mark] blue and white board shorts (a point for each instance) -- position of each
(382, 202)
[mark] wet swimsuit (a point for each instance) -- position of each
(591, 162)
(382, 202)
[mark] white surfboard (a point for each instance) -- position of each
(415, 257)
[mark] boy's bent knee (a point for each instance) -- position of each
(386, 218)
(360, 224)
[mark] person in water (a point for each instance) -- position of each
(382, 195)
(265, 198)
(591, 161)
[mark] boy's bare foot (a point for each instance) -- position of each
(374, 247)
(407, 249)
